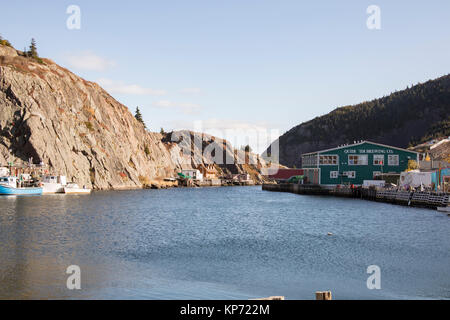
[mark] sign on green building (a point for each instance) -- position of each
(352, 164)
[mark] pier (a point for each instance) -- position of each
(424, 199)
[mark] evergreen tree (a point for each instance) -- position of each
(138, 117)
(33, 49)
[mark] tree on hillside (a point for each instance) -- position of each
(33, 49)
(162, 131)
(4, 42)
(247, 148)
(138, 117)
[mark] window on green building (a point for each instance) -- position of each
(334, 174)
(393, 160)
(358, 160)
(309, 160)
(328, 160)
(378, 160)
(350, 174)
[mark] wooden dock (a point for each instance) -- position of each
(431, 200)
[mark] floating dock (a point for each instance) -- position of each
(431, 200)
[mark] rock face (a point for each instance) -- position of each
(199, 148)
(76, 128)
(8, 51)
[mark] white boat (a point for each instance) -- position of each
(444, 209)
(53, 184)
(73, 188)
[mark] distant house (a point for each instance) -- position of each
(208, 171)
(244, 177)
(352, 164)
(195, 174)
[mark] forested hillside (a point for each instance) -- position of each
(400, 119)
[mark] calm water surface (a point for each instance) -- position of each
(219, 243)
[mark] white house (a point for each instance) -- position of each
(193, 173)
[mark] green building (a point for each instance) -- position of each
(352, 164)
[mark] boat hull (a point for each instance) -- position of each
(10, 191)
(50, 188)
(76, 191)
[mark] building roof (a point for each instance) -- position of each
(358, 144)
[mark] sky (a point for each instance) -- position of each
(236, 67)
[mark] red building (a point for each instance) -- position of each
(284, 174)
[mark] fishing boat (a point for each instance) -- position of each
(73, 188)
(53, 184)
(8, 186)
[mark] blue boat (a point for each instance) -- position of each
(8, 187)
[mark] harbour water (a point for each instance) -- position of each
(219, 243)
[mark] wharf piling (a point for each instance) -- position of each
(428, 199)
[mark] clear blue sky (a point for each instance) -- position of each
(239, 64)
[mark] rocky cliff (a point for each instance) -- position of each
(77, 129)
(400, 119)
